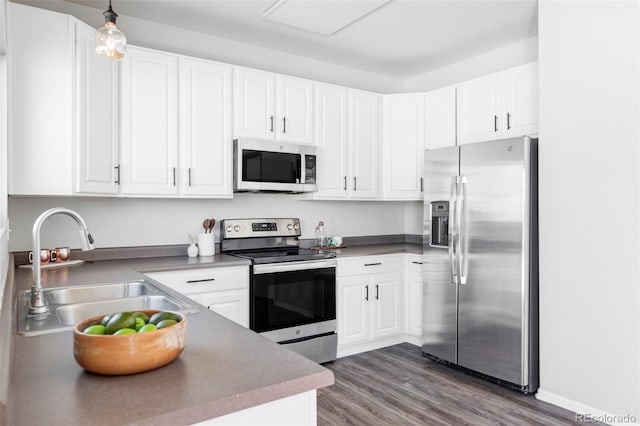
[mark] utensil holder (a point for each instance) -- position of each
(206, 244)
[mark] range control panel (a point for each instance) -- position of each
(247, 228)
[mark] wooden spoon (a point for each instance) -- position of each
(206, 225)
(212, 223)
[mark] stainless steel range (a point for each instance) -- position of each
(292, 291)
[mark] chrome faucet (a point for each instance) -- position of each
(38, 305)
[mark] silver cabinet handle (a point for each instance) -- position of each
(462, 232)
(508, 121)
(284, 124)
(366, 295)
(495, 123)
(200, 281)
(345, 183)
(452, 227)
(271, 123)
(373, 264)
(174, 176)
(377, 292)
(421, 184)
(355, 182)
(117, 181)
(416, 263)
(189, 176)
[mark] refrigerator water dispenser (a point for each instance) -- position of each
(440, 224)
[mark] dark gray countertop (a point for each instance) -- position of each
(378, 249)
(224, 367)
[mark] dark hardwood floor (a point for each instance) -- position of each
(398, 386)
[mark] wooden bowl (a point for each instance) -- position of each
(128, 353)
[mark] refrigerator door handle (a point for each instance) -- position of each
(462, 231)
(452, 227)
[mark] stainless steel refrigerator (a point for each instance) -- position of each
(480, 257)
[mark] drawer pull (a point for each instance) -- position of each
(200, 281)
(416, 263)
(373, 264)
(366, 296)
(377, 291)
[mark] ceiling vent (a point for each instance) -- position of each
(325, 17)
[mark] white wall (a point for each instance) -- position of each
(589, 205)
(4, 253)
(143, 222)
(512, 55)
(178, 40)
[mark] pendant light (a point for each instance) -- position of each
(110, 41)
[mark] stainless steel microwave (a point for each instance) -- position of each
(261, 165)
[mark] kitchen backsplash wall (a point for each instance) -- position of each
(121, 222)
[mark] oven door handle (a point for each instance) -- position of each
(293, 266)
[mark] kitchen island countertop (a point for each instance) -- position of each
(224, 368)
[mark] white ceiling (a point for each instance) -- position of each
(401, 39)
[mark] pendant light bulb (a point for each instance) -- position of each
(110, 41)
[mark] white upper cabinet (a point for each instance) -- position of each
(205, 128)
(149, 111)
(440, 118)
(294, 109)
(40, 100)
(271, 106)
(347, 123)
(521, 100)
(96, 117)
(254, 104)
(332, 140)
(403, 146)
(364, 125)
(499, 105)
(480, 109)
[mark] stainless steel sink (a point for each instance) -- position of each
(72, 314)
(70, 305)
(95, 293)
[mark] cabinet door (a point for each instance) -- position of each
(149, 122)
(388, 302)
(40, 101)
(205, 128)
(233, 305)
(96, 117)
(331, 136)
(354, 295)
(294, 109)
(253, 104)
(521, 100)
(480, 106)
(414, 303)
(403, 143)
(440, 118)
(364, 124)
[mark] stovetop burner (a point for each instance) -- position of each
(293, 254)
(267, 241)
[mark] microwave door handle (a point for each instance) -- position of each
(452, 228)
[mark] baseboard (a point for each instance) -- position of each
(370, 346)
(590, 414)
(414, 340)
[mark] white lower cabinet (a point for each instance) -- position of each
(232, 304)
(224, 290)
(414, 296)
(370, 303)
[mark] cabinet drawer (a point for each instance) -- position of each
(415, 263)
(203, 280)
(369, 265)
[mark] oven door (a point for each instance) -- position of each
(292, 300)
